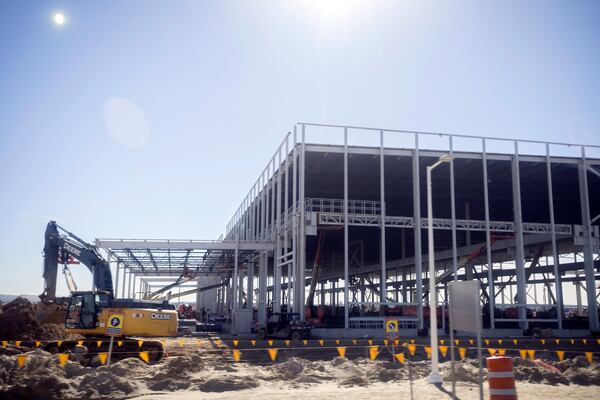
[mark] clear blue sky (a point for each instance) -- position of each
(220, 82)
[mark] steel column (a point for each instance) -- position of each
(302, 249)
(296, 304)
(588, 253)
(383, 289)
(417, 232)
(346, 255)
(488, 242)
(555, 257)
(519, 249)
(453, 210)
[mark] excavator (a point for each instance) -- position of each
(92, 313)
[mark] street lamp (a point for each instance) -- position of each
(434, 377)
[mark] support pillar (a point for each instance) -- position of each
(417, 232)
(519, 249)
(588, 253)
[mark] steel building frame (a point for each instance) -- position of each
(287, 217)
(275, 225)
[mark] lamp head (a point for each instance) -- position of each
(446, 158)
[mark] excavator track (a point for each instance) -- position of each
(88, 348)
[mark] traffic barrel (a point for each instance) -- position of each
(501, 378)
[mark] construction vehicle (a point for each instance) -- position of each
(88, 312)
(284, 326)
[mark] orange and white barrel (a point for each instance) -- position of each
(501, 378)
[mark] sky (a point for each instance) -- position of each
(151, 119)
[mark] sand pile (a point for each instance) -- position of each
(201, 371)
(17, 322)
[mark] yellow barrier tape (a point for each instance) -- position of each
(523, 354)
(235, 342)
(21, 358)
(273, 354)
(444, 350)
(287, 343)
(373, 352)
(270, 342)
(38, 343)
(412, 348)
(400, 357)
(62, 359)
(491, 351)
(462, 351)
(560, 354)
(321, 342)
(428, 351)
(589, 355)
(531, 354)
(145, 356)
(341, 351)
(305, 342)
(103, 357)
(253, 342)
(236, 355)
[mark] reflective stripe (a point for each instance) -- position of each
(503, 392)
(500, 374)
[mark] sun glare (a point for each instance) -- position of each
(337, 10)
(59, 18)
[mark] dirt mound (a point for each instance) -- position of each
(17, 322)
(227, 384)
(290, 368)
(463, 372)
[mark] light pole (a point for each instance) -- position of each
(434, 377)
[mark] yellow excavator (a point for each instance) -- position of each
(96, 315)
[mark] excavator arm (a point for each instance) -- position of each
(59, 246)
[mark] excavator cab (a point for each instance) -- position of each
(84, 308)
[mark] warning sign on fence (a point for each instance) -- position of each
(391, 328)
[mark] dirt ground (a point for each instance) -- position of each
(205, 372)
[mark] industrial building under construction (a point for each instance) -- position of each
(335, 229)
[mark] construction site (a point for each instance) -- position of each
(329, 245)
(327, 228)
